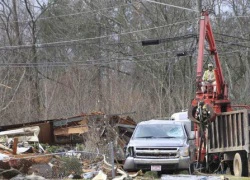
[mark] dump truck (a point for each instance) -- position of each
(222, 133)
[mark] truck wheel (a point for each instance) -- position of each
(240, 165)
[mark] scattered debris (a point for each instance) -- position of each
(89, 175)
(28, 177)
(21, 152)
(100, 176)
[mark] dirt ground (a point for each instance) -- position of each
(154, 175)
(202, 177)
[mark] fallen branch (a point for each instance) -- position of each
(5, 148)
(2, 171)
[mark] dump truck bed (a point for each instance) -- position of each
(229, 132)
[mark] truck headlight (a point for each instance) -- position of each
(184, 151)
(130, 152)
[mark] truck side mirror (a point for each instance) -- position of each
(191, 135)
(125, 148)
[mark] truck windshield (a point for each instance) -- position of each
(159, 131)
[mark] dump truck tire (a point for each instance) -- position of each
(240, 165)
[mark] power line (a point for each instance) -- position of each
(80, 64)
(176, 38)
(226, 35)
(231, 52)
(170, 5)
(88, 61)
(42, 45)
(230, 17)
(74, 14)
(232, 43)
(93, 11)
(103, 62)
(116, 43)
(108, 8)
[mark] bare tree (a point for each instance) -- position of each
(69, 57)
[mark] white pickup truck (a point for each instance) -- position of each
(161, 145)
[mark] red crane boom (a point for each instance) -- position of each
(219, 101)
(206, 105)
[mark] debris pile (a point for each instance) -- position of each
(95, 131)
(22, 154)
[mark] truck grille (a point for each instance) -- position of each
(156, 153)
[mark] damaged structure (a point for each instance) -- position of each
(77, 129)
(93, 131)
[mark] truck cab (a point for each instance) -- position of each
(160, 145)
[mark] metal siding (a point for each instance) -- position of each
(226, 131)
(213, 136)
(217, 132)
(45, 135)
(240, 130)
(230, 132)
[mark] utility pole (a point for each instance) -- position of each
(199, 9)
(199, 6)
(16, 23)
(99, 77)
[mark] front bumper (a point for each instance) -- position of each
(135, 164)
